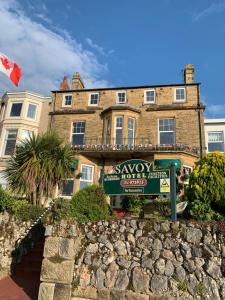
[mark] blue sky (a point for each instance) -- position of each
(116, 43)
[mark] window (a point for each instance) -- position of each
(131, 128)
(16, 109)
(25, 135)
(121, 97)
(31, 112)
(94, 98)
(186, 173)
(216, 141)
(68, 187)
(67, 100)
(78, 133)
(149, 96)
(119, 131)
(87, 176)
(180, 94)
(167, 131)
(10, 141)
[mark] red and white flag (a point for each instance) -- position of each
(10, 69)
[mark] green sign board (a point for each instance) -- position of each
(136, 176)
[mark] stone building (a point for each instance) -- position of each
(21, 114)
(106, 126)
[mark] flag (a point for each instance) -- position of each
(10, 69)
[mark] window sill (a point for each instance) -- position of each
(180, 101)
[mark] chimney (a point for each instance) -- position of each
(64, 84)
(77, 82)
(189, 73)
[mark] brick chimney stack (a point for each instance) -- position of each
(77, 82)
(64, 84)
(189, 73)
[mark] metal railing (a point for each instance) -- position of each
(140, 144)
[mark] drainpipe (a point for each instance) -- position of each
(199, 123)
(53, 110)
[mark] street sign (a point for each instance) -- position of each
(138, 177)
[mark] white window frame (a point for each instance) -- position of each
(35, 117)
(5, 141)
(92, 175)
(166, 131)
(145, 96)
(134, 124)
(115, 127)
(64, 100)
(11, 104)
(117, 97)
(215, 131)
(89, 103)
(72, 133)
(175, 94)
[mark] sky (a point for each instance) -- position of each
(116, 43)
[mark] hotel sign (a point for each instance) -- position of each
(136, 176)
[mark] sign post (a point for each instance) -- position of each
(173, 194)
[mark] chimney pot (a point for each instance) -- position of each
(77, 82)
(64, 84)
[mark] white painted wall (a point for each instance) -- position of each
(214, 125)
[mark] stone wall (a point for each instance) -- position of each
(132, 259)
(10, 231)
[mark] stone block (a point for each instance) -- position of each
(103, 294)
(140, 281)
(135, 296)
(87, 292)
(66, 248)
(46, 291)
(51, 248)
(58, 271)
(62, 291)
(117, 295)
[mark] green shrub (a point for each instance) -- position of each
(6, 201)
(206, 191)
(25, 211)
(133, 203)
(61, 209)
(89, 204)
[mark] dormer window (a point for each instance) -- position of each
(121, 97)
(180, 94)
(67, 100)
(94, 99)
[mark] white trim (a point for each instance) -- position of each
(145, 96)
(115, 127)
(167, 131)
(92, 175)
(35, 117)
(222, 141)
(117, 98)
(10, 108)
(89, 101)
(175, 94)
(64, 99)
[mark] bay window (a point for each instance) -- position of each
(131, 129)
(10, 141)
(119, 130)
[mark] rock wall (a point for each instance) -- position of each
(132, 259)
(10, 231)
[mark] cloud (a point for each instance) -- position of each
(213, 8)
(216, 109)
(43, 54)
(98, 48)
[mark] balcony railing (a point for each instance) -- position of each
(139, 144)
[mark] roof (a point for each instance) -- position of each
(25, 92)
(127, 87)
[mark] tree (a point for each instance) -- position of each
(39, 164)
(206, 191)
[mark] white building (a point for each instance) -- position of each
(214, 134)
(21, 113)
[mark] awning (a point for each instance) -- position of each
(165, 163)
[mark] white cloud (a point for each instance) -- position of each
(213, 8)
(44, 56)
(98, 48)
(216, 109)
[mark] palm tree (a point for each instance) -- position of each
(39, 165)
